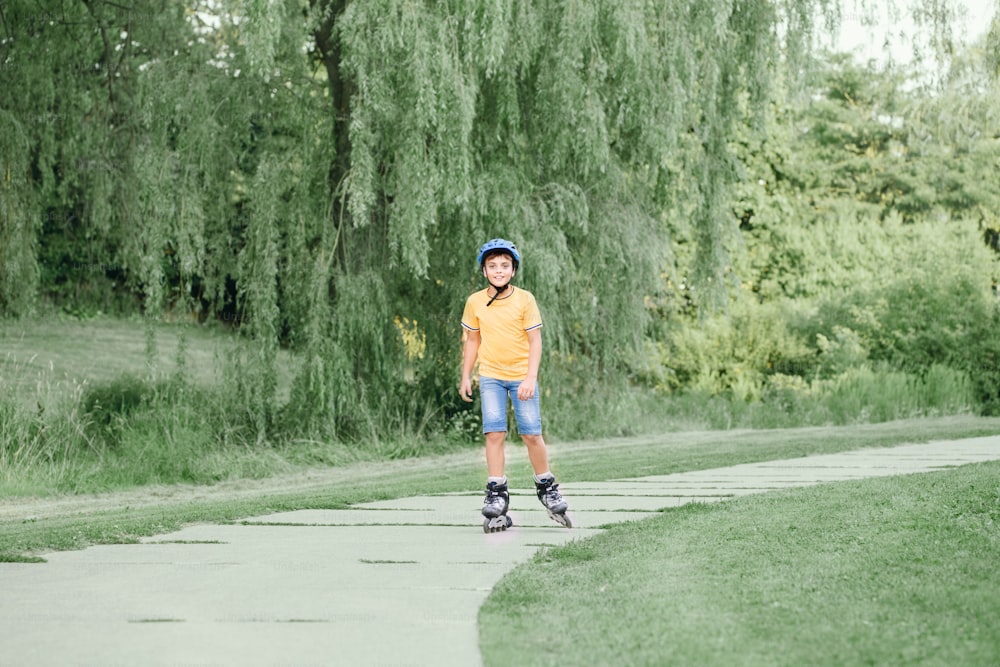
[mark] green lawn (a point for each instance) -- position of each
(65, 349)
(887, 571)
(47, 357)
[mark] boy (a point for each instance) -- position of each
(503, 331)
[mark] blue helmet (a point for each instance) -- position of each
(502, 245)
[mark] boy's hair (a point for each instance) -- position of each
(498, 253)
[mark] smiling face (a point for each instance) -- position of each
(499, 269)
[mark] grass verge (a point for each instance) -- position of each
(898, 570)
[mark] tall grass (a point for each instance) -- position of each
(861, 395)
(122, 432)
(98, 408)
(857, 395)
(39, 419)
(132, 431)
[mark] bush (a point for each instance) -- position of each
(107, 406)
(982, 362)
(731, 354)
(932, 294)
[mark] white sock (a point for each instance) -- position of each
(499, 480)
(545, 475)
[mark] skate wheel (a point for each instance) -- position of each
(561, 518)
(497, 524)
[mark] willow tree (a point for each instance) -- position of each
(573, 128)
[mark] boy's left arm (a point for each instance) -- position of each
(527, 388)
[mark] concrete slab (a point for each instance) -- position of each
(669, 488)
(444, 517)
(393, 582)
(528, 505)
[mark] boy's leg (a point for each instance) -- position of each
(497, 498)
(538, 453)
(529, 424)
(545, 482)
(495, 457)
(493, 394)
(494, 404)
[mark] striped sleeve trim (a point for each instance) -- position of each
(537, 326)
(468, 327)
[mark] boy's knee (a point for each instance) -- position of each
(533, 440)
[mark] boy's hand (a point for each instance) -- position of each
(526, 390)
(465, 390)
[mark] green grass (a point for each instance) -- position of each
(50, 356)
(888, 571)
(63, 352)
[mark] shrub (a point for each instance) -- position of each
(107, 405)
(934, 294)
(733, 354)
(982, 363)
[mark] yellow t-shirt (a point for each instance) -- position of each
(503, 329)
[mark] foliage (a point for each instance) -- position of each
(842, 177)
(982, 363)
(729, 353)
(935, 312)
(18, 225)
(840, 265)
(312, 172)
(106, 406)
(197, 160)
(915, 321)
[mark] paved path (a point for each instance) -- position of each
(386, 583)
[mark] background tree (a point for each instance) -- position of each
(865, 240)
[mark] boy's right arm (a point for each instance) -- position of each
(469, 355)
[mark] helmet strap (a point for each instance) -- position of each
(500, 290)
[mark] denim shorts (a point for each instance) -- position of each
(494, 394)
